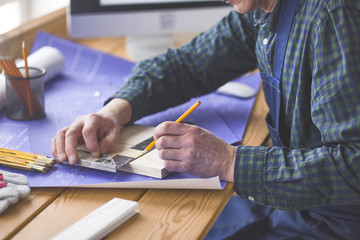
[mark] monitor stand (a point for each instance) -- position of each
(141, 47)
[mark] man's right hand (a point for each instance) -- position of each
(99, 131)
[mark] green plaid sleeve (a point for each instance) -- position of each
(249, 173)
(327, 171)
(207, 62)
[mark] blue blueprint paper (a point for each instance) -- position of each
(88, 79)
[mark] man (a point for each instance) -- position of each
(308, 53)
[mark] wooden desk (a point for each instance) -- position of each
(163, 214)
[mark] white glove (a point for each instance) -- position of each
(12, 187)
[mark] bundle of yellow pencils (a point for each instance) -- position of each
(25, 161)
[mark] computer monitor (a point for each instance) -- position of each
(148, 25)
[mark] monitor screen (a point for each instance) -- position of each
(141, 19)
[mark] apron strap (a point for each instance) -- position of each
(285, 20)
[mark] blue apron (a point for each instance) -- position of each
(344, 219)
(272, 84)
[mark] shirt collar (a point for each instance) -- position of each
(268, 20)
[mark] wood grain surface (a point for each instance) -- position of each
(20, 214)
(174, 214)
(69, 207)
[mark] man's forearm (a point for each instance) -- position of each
(118, 108)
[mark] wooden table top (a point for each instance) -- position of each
(163, 214)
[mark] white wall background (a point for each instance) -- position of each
(39, 8)
(15, 12)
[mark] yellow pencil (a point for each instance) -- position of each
(180, 119)
(15, 165)
(28, 164)
(20, 153)
(27, 83)
(28, 167)
(25, 161)
(22, 160)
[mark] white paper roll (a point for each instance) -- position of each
(46, 57)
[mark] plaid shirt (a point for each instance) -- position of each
(320, 164)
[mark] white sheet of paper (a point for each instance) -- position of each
(190, 183)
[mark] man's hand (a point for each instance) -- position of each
(194, 150)
(99, 131)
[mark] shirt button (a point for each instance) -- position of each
(251, 198)
(265, 41)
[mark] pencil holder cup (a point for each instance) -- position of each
(25, 95)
